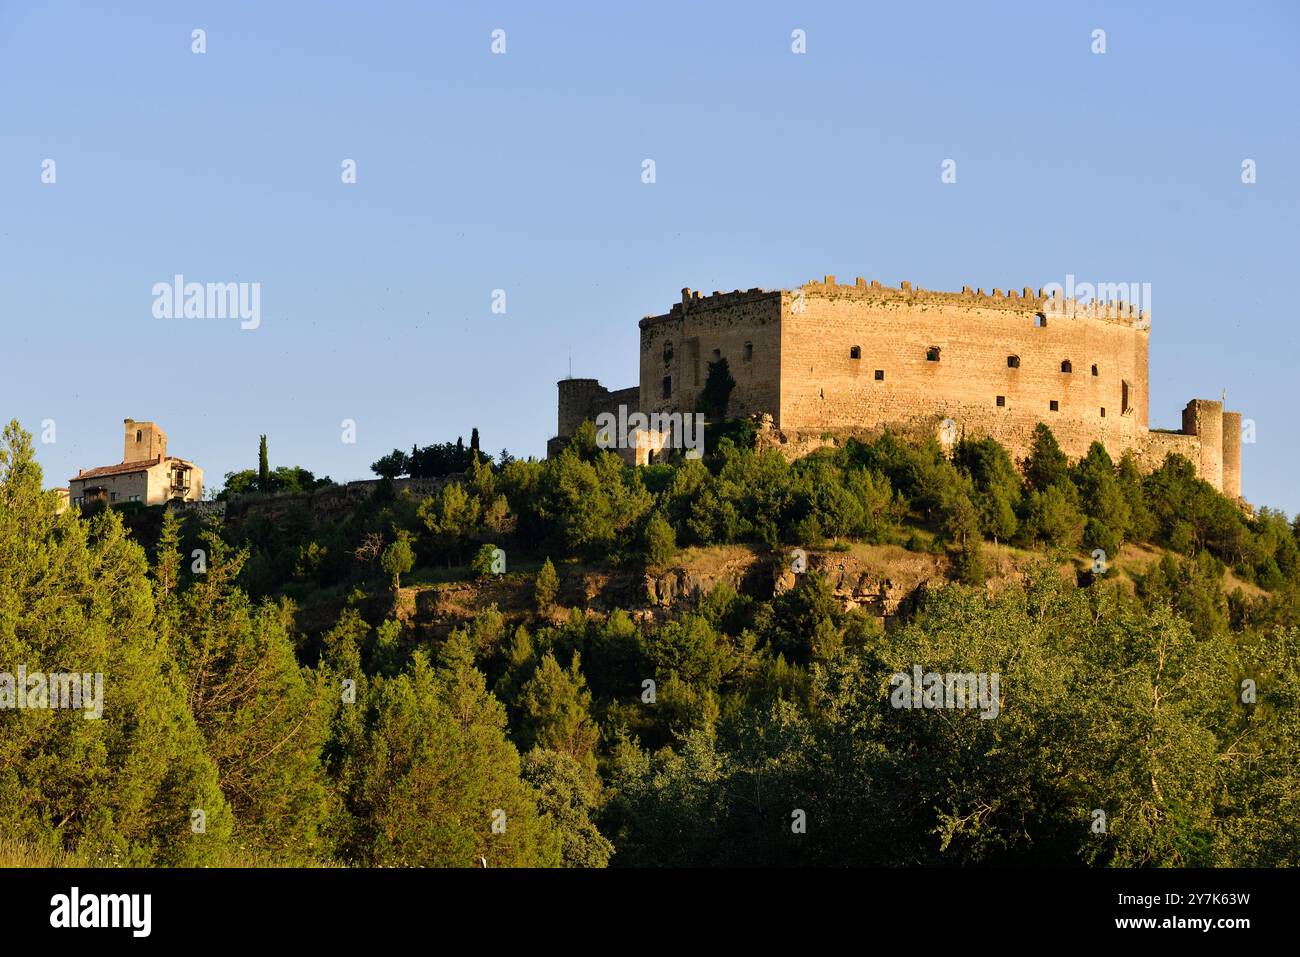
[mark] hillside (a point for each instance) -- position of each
(578, 663)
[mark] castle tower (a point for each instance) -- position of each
(1204, 418)
(1232, 454)
(142, 441)
(576, 398)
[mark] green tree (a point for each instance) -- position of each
(74, 597)
(660, 540)
(392, 465)
(1103, 499)
(483, 564)
(398, 558)
(555, 707)
(716, 394)
(263, 468)
(546, 586)
(1046, 464)
(1053, 518)
(435, 782)
(569, 796)
(265, 720)
(451, 516)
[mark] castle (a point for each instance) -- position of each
(146, 473)
(829, 360)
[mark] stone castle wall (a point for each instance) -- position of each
(677, 347)
(958, 355)
(827, 360)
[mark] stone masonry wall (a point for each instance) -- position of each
(742, 327)
(894, 330)
(828, 359)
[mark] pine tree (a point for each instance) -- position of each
(74, 597)
(1046, 465)
(546, 587)
(556, 711)
(660, 540)
(265, 719)
(436, 783)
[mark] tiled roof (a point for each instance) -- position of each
(125, 468)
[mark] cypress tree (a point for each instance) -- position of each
(263, 468)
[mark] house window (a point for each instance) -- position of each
(1103, 412)
(749, 351)
(112, 496)
(717, 354)
(1124, 405)
(1002, 400)
(1013, 362)
(1054, 405)
(855, 352)
(135, 498)
(932, 354)
(139, 434)
(668, 353)
(1041, 320)
(1094, 369)
(668, 387)
(1065, 366)
(880, 375)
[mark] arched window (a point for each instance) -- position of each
(932, 354)
(1041, 320)
(855, 352)
(1065, 366)
(668, 353)
(749, 351)
(1013, 362)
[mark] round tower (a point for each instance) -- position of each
(576, 398)
(1232, 454)
(1204, 418)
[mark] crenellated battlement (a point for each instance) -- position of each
(693, 301)
(1026, 299)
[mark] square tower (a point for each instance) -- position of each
(143, 441)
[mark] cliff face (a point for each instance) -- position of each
(880, 580)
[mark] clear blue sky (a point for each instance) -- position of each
(523, 172)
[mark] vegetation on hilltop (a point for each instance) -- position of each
(566, 736)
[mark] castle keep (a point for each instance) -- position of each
(828, 360)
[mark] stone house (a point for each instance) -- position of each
(146, 474)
